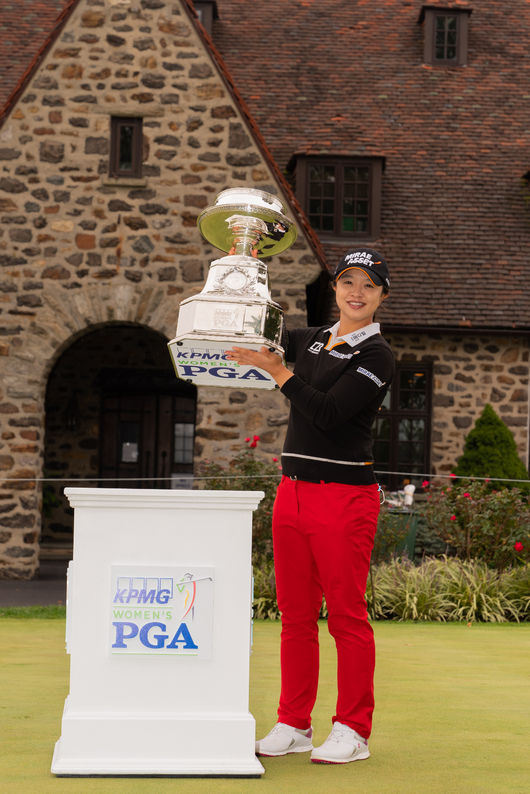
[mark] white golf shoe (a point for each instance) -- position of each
(284, 739)
(342, 745)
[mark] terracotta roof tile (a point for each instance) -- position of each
(25, 26)
(329, 76)
(348, 78)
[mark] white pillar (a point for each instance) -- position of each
(158, 630)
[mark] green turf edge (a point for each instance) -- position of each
(54, 611)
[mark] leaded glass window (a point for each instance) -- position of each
(341, 196)
(402, 427)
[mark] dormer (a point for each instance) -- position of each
(445, 34)
(207, 12)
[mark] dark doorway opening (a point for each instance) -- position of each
(320, 300)
(147, 429)
(116, 416)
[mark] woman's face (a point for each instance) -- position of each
(357, 298)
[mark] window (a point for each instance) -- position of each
(125, 147)
(207, 12)
(445, 35)
(183, 442)
(341, 197)
(403, 426)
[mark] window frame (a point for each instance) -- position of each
(374, 163)
(206, 10)
(116, 123)
(395, 414)
(428, 16)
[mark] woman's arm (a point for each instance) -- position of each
(350, 394)
(356, 387)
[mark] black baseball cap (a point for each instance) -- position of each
(370, 262)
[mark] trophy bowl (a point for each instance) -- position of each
(217, 224)
(235, 306)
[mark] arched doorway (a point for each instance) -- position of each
(116, 416)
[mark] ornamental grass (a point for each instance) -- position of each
(438, 589)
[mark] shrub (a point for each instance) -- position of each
(264, 604)
(478, 522)
(438, 590)
(516, 587)
(404, 591)
(247, 472)
(477, 593)
(393, 528)
(449, 590)
(490, 450)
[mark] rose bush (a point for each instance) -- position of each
(248, 472)
(478, 521)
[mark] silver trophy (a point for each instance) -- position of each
(235, 307)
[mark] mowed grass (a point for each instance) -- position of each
(452, 714)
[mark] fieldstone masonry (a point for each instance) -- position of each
(468, 372)
(79, 249)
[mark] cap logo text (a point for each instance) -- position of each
(359, 258)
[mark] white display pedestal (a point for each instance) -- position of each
(158, 630)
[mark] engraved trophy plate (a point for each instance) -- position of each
(235, 305)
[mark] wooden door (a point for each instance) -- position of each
(142, 438)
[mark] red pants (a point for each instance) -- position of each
(323, 536)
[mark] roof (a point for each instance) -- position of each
(31, 39)
(25, 27)
(348, 78)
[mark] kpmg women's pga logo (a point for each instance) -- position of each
(161, 610)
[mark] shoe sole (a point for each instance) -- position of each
(286, 752)
(359, 757)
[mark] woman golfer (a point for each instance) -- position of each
(326, 508)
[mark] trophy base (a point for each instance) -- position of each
(201, 360)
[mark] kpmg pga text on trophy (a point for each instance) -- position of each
(234, 307)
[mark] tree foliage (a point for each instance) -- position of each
(490, 450)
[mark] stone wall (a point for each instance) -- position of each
(468, 372)
(79, 249)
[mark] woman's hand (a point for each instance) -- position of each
(264, 359)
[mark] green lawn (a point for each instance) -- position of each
(451, 715)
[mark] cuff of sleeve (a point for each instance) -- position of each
(292, 387)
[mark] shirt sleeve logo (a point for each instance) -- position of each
(371, 375)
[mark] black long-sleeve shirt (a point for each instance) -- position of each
(335, 394)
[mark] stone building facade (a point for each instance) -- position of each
(445, 130)
(81, 251)
(93, 266)
(468, 372)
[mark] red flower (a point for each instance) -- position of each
(467, 495)
(425, 484)
(254, 444)
(452, 475)
(453, 518)
(275, 460)
(255, 438)
(518, 546)
(247, 439)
